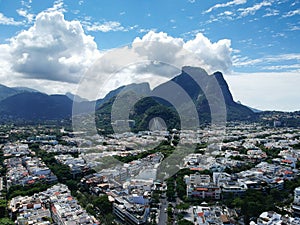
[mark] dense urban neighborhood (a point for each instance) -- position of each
(51, 175)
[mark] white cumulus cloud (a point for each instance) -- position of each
(214, 56)
(29, 16)
(8, 20)
(53, 49)
(199, 51)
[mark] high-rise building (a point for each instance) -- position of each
(296, 203)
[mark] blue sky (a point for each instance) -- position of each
(254, 43)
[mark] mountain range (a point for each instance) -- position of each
(24, 104)
(192, 89)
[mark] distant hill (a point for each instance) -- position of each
(10, 91)
(75, 97)
(6, 92)
(24, 89)
(284, 119)
(25, 104)
(35, 106)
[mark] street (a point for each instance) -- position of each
(163, 215)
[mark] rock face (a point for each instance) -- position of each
(209, 93)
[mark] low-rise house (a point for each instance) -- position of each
(273, 218)
(204, 215)
(234, 188)
(199, 185)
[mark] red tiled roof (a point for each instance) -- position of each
(201, 189)
(224, 218)
(53, 209)
(201, 214)
(286, 161)
(200, 169)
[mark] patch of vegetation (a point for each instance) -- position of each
(164, 147)
(6, 221)
(29, 190)
(185, 222)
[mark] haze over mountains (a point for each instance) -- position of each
(30, 105)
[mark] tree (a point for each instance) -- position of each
(155, 197)
(254, 203)
(185, 222)
(237, 202)
(182, 206)
(72, 185)
(6, 221)
(2, 208)
(103, 204)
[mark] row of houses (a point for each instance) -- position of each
(59, 149)
(221, 184)
(15, 149)
(76, 165)
(27, 170)
(56, 205)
